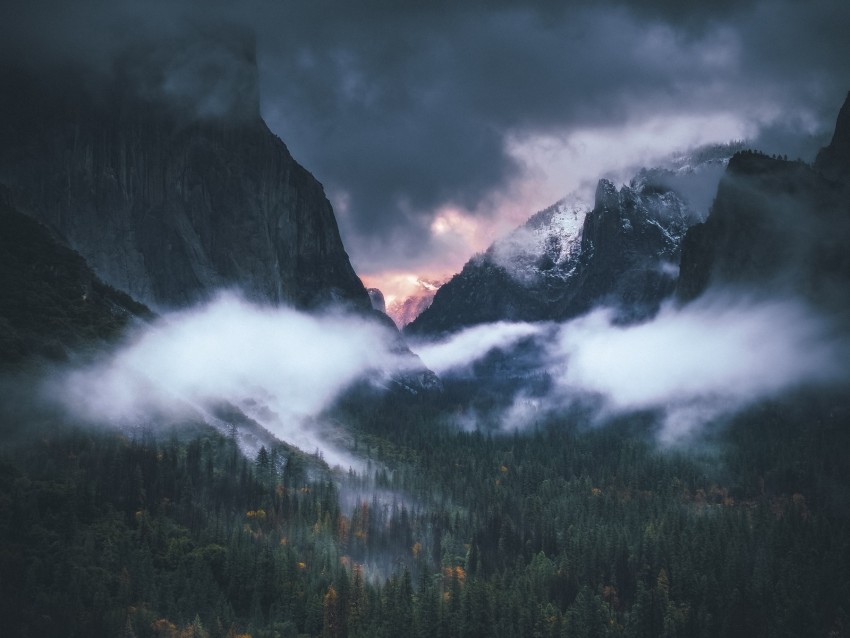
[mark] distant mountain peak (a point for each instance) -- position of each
(567, 258)
(406, 308)
(377, 299)
(620, 250)
(545, 244)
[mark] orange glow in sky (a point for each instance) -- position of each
(397, 286)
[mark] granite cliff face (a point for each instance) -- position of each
(166, 179)
(769, 227)
(629, 251)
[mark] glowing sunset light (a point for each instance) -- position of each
(398, 286)
(453, 220)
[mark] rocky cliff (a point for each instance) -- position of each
(629, 251)
(833, 161)
(777, 228)
(760, 228)
(51, 303)
(567, 259)
(376, 297)
(163, 175)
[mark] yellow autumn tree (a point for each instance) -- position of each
(331, 614)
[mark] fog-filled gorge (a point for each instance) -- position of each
(279, 366)
(693, 364)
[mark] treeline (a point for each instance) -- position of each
(570, 531)
(560, 531)
(104, 535)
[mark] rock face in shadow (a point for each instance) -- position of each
(51, 303)
(833, 161)
(163, 175)
(376, 297)
(564, 261)
(629, 251)
(777, 228)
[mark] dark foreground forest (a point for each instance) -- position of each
(564, 530)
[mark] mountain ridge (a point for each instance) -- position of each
(568, 258)
(778, 227)
(171, 191)
(833, 161)
(51, 303)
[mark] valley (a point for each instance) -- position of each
(628, 416)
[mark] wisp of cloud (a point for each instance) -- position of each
(469, 345)
(709, 349)
(701, 361)
(692, 364)
(280, 366)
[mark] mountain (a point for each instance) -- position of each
(51, 302)
(517, 278)
(833, 161)
(623, 251)
(777, 227)
(162, 174)
(629, 250)
(568, 258)
(376, 297)
(403, 310)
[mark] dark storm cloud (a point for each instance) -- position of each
(202, 63)
(401, 108)
(404, 110)
(415, 115)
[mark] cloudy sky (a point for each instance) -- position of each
(437, 126)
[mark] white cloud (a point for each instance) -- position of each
(732, 351)
(701, 361)
(693, 364)
(576, 159)
(282, 367)
(467, 346)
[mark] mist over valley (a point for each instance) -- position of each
(548, 335)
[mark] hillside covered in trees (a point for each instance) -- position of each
(561, 531)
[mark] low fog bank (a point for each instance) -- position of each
(281, 370)
(277, 366)
(706, 360)
(464, 348)
(692, 365)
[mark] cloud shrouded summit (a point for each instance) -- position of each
(434, 127)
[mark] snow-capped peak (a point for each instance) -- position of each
(545, 242)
